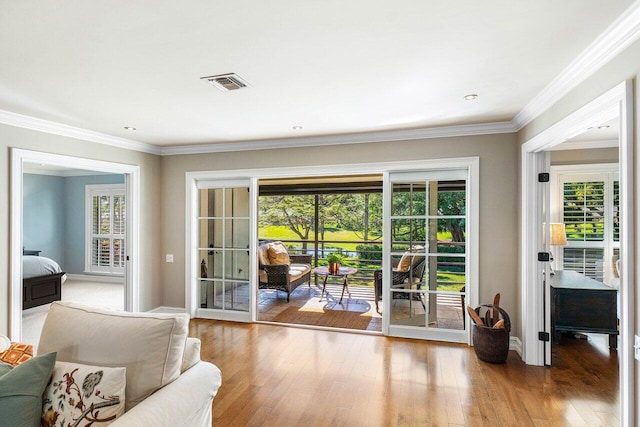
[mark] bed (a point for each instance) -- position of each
(42, 280)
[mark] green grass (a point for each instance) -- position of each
(276, 232)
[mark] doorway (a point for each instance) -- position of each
(467, 262)
(122, 248)
(614, 104)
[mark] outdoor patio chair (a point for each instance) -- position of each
(401, 279)
(284, 276)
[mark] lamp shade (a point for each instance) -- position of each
(558, 234)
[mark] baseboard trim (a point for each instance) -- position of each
(516, 345)
(165, 309)
(95, 278)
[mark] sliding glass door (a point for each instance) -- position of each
(223, 252)
(426, 281)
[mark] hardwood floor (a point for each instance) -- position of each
(282, 376)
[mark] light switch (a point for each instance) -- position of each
(636, 347)
(169, 257)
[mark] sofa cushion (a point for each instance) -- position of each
(83, 394)
(149, 345)
(191, 353)
(21, 391)
(278, 254)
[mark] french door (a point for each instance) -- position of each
(426, 282)
(224, 249)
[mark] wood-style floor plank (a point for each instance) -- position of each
(282, 376)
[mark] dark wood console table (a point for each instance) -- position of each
(581, 304)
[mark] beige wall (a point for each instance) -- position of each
(584, 157)
(625, 66)
(498, 198)
(10, 136)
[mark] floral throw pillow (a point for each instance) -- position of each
(83, 395)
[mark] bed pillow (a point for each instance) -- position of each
(21, 389)
(83, 394)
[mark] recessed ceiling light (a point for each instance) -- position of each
(471, 96)
(129, 128)
(297, 128)
(603, 127)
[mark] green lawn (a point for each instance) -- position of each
(276, 232)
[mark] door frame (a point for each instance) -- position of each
(132, 182)
(472, 243)
(617, 102)
(191, 178)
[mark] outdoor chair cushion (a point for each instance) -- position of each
(295, 271)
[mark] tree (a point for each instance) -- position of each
(452, 203)
(295, 212)
(361, 213)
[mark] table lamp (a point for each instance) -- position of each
(558, 238)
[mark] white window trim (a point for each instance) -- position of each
(92, 190)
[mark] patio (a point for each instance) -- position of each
(355, 312)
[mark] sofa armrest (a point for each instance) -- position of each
(184, 402)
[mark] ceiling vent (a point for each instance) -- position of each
(226, 82)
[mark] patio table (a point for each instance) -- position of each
(344, 272)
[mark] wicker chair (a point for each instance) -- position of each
(278, 275)
(400, 278)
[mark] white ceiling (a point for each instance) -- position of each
(332, 67)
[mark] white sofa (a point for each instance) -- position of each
(166, 382)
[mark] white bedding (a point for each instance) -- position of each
(33, 266)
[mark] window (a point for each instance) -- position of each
(105, 232)
(587, 201)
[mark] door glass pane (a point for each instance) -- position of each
(452, 198)
(445, 273)
(240, 202)
(409, 199)
(447, 235)
(223, 240)
(408, 233)
(237, 233)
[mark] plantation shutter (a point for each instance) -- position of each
(587, 261)
(584, 211)
(106, 242)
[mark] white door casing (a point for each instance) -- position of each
(617, 102)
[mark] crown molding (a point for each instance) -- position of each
(618, 36)
(32, 123)
(356, 138)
